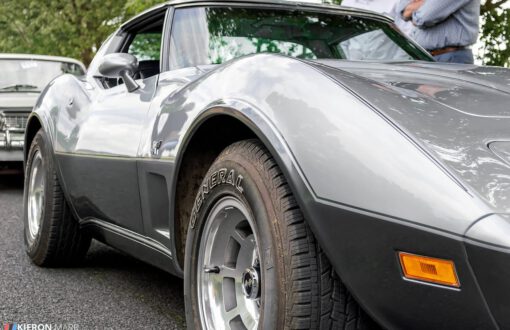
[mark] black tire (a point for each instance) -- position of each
(300, 289)
(58, 240)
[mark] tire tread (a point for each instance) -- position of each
(317, 298)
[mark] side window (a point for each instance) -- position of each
(146, 46)
(144, 42)
(190, 38)
(142, 39)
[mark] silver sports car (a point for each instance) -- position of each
(301, 166)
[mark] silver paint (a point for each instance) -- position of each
(400, 142)
(403, 143)
(494, 229)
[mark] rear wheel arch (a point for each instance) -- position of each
(33, 126)
(36, 122)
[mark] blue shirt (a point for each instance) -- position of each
(444, 23)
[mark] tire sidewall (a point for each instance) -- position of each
(36, 247)
(253, 193)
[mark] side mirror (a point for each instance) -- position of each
(120, 65)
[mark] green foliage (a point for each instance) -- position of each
(146, 46)
(76, 28)
(134, 7)
(495, 36)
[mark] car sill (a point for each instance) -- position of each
(134, 244)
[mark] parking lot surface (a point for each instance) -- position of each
(110, 290)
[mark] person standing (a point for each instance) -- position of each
(446, 28)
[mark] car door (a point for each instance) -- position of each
(101, 175)
(156, 166)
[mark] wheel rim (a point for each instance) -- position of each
(35, 196)
(228, 268)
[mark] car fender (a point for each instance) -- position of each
(327, 141)
(351, 169)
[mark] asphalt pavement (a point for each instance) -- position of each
(110, 290)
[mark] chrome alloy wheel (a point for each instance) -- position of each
(229, 279)
(35, 196)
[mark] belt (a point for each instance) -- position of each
(444, 50)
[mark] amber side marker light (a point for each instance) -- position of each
(432, 270)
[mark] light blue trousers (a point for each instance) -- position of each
(464, 56)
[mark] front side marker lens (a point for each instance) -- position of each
(427, 269)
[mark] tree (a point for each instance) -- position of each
(133, 7)
(495, 33)
(74, 28)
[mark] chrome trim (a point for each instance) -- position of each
(141, 239)
(227, 249)
(36, 198)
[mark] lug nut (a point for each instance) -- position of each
(212, 270)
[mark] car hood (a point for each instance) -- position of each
(459, 113)
(18, 100)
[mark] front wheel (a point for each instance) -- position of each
(251, 259)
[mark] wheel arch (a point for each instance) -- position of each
(195, 157)
(45, 113)
(33, 126)
(38, 120)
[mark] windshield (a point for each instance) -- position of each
(214, 35)
(32, 75)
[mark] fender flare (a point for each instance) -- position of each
(266, 131)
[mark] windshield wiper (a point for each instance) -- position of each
(20, 87)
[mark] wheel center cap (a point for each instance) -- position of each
(251, 283)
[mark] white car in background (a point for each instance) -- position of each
(22, 78)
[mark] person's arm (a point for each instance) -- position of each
(401, 6)
(433, 12)
(408, 12)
